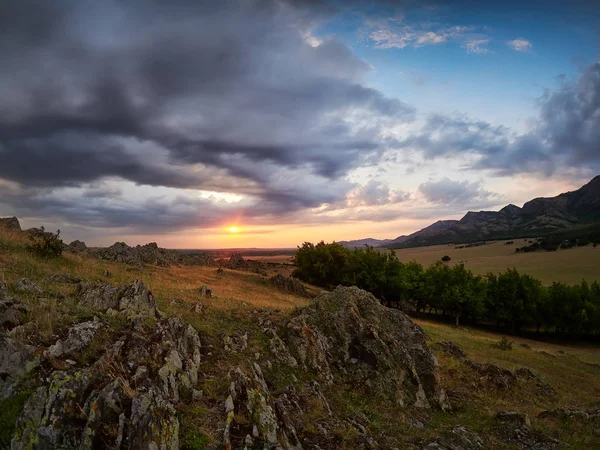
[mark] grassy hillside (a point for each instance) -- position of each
(573, 372)
(569, 266)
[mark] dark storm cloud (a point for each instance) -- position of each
(566, 133)
(101, 88)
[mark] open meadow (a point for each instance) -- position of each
(568, 266)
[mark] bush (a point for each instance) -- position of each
(446, 258)
(45, 244)
(505, 344)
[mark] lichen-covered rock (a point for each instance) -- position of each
(79, 337)
(267, 424)
(28, 287)
(64, 278)
(12, 313)
(123, 400)
(289, 284)
(16, 359)
(11, 223)
(134, 298)
(377, 346)
(584, 415)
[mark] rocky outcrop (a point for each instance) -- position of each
(236, 262)
(376, 346)
(151, 254)
(459, 438)
(77, 247)
(10, 223)
(265, 423)
(584, 415)
(450, 348)
(289, 284)
(80, 336)
(12, 312)
(134, 298)
(125, 399)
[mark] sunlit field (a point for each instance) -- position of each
(568, 266)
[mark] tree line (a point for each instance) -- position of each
(511, 300)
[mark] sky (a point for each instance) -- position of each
(267, 123)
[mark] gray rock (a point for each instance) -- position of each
(16, 359)
(26, 286)
(80, 336)
(349, 323)
(514, 417)
(133, 298)
(77, 247)
(12, 313)
(64, 278)
(11, 223)
(289, 284)
(459, 438)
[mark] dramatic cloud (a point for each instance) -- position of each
(520, 45)
(449, 192)
(375, 193)
(192, 95)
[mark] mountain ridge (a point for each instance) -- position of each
(537, 217)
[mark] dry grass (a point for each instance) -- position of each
(569, 266)
(572, 369)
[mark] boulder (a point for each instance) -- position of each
(134, 298)
(79, 337)
(289, 284)
(77, 247)
(16, 359)
(377, 346)
(237, 261)
(10, 223)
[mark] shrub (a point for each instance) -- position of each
(505, 344)
(446, 258)
(45, 244)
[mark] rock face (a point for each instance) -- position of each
(11, 223)
(151, 254)
(123, 400)
(377, 346)
(133, 298)
(289, 284)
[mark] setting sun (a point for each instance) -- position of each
(233, 229)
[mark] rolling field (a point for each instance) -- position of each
(569, 266)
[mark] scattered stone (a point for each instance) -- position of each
(459, 438)
(393, 357)
(450, 348)
(107, 274)
(220, 271)
(64, 278)
(236, 343)
(583, 415)
(205, 291)
(10, 223)
(514, 417)
(289, 284)
(502, 378)
(26, 286)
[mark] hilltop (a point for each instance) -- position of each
(537, 217)
(103, 353)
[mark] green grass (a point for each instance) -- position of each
(568, 266)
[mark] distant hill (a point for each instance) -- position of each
(358, 243)
(537, 217)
